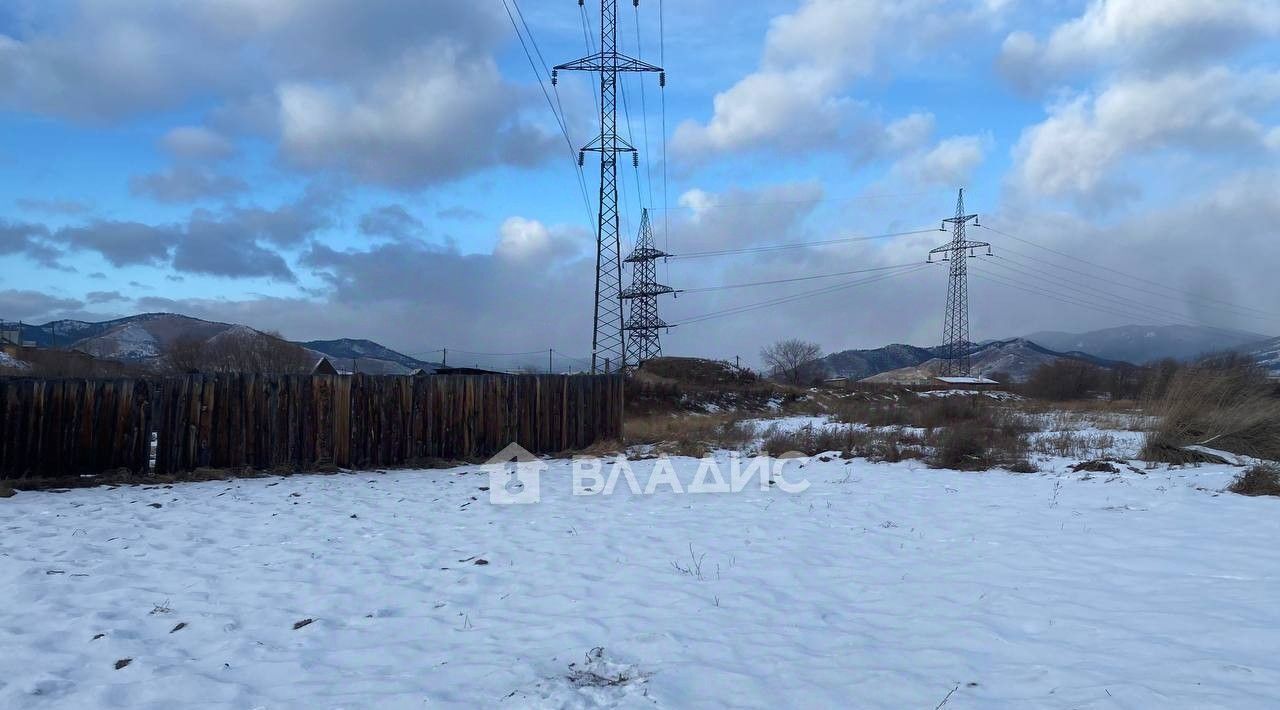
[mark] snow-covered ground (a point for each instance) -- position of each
(881, 586)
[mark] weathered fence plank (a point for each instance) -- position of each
(63, 428)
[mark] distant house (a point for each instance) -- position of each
(10, 333)
(466, 371)
(324, 367)
(968, 383)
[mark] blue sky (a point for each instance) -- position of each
(391, 170)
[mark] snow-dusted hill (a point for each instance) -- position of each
(1016, 358)
(146, 338)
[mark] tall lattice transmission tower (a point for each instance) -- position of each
(955, 329)
(608, 343)
(643, 342)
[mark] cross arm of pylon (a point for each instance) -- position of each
(953, 246)
(596, 146)
(606, 61)
(644, 290)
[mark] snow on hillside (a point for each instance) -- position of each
(881, 586)
(7, 360)
(131, 341)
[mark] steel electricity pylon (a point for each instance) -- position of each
(643, 342)
(608, 344)
(955, 329)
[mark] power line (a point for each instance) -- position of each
(736, 310)
(795, 279)
(564, 129)
(799, 245)
(662, 89)
(1232, 310)
(644, 111)
(1028, 288)
(1040, 274)
(809, 201)
(1149, 282)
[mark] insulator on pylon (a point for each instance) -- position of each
(582, 158)
(555, 76)
(635, 3)
(635, 158)
(989, 250)
(662, 79)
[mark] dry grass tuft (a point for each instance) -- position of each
(1233, 408)
(693, 435)
(1260, 480)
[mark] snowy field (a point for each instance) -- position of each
(881, 586)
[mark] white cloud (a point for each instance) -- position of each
(950, 162)
(1138, 34)
(793, 100)
(1077, 148)
(436, 117)
(522, 238)
(397, 92)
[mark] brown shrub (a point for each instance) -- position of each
(812, 441)
(975, 446)
(1260, 480)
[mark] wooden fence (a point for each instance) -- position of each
(61, 428)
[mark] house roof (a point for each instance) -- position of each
(967, 380)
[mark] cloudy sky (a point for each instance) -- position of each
(391, 169)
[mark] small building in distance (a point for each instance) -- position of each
(10, 333)
(324, 367)
(968, 383)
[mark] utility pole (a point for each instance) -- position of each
(607, 339)
(955, 328)
(644, 343)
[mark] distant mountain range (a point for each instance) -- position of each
(1142, 344)
(902, 364)
(145, 339)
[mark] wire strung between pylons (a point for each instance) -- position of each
(799, 245)
(1050, 279)
(795, 279)
(662, 90)
(559, 115)
(736, 310)
(1007, 262)
(1149, 282)
(1124, 308)
(1232, 310)
(1029, 288)
(644, 111)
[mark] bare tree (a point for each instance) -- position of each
(794, 361)
(239, 352)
